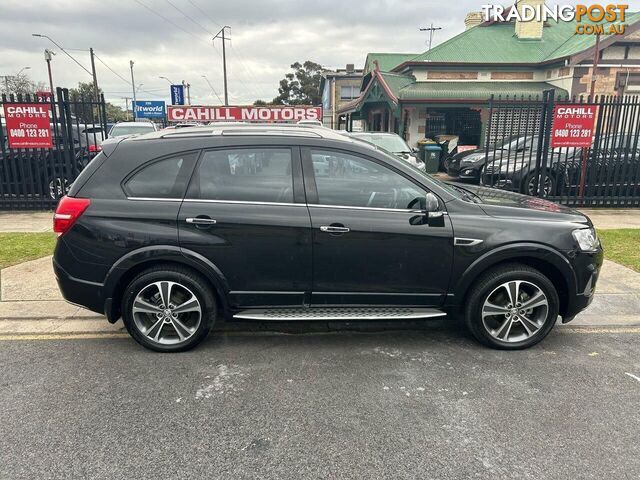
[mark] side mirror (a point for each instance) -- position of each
(432, 204)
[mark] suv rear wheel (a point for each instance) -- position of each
(168, 309)
(512, 307)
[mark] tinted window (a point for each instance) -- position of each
(250, 175)
(347, 180)
(162, 179)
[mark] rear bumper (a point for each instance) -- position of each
(79, 292)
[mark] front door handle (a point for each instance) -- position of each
(201, 220)
(334, 229)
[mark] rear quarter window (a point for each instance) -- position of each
(163, 178)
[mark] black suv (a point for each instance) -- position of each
(175, 229)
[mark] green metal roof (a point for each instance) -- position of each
(497, 43)
(473, 90)
(396, 82)
(386, 61)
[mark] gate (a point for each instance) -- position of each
(519, 155)
(35, 178)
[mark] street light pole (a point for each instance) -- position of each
(133, 87)
(48, 56)
(220, 35)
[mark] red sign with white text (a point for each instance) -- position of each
(190, 113)
(28, 125)
(573, 125)
(43, 95)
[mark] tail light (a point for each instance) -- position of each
(68, 211)
(95, 148)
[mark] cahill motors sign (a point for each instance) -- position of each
(573, 125)
(28, 125)
(596, 19)
(243, 113)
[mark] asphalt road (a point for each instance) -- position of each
(412, 404)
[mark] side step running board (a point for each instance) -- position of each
(324, 313)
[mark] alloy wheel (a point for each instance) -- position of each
(547, 185)
(58, 188)
(515, 311)
(167, 312)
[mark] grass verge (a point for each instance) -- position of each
(622, 246)
(20, 247)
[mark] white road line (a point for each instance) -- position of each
(632, 376)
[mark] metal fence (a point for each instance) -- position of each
(519, 156)
(35, 178)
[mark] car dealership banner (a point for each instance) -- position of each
(150, 109)
(28, 125)
(573, 125)
(243, 113)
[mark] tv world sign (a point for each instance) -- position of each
(150, 109)
(243, 113)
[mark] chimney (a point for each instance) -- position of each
(531, 29)
(351, 68)
(472, 19)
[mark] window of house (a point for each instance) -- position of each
(249, 175)
(352, 181)
(349, 92)
(164, 178)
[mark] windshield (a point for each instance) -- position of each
(120, 130)
(391, 143)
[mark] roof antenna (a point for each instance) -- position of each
(430, 29)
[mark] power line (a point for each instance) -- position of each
(204, 13)
(189, 18)
(170, 22)
(112, 70)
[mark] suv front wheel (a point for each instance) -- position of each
(168, 309)
(512, 307)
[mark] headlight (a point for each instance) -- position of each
(587, 239)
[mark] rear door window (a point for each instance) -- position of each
(165, 178)
(244, 175)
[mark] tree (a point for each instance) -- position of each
(302, 87)
(116, 113)
(259, 103)
(19, 84)
(84, 92)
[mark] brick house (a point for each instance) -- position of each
(338, 88)
(445, 90)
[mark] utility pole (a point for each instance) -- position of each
(93, 74)
(48, 56)
(133, 87)
(430, 29)
(220, 35)
(126, 103)
(187, 87)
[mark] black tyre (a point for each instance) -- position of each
(511, 307)
(547, 185)
(168, 308)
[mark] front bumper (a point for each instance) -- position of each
(587, 266)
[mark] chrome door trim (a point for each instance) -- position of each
(243, 202)
(375, 209)
(154, 199)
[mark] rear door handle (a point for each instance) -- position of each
(200, 221)
(334, 229)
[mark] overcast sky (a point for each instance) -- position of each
(267, 36)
